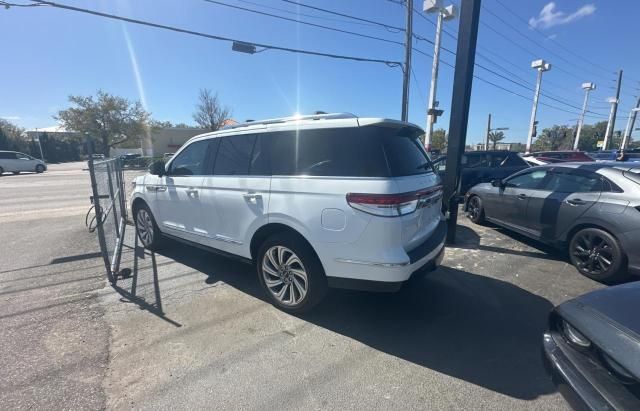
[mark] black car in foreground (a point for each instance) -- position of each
(592, 349)
(483, 167)
(591, 210)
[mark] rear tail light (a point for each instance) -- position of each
(394, 205)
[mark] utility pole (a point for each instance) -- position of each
(486, 143)
(541, 66)
(406, 74)
(587, 87)
(39, 145)
(611, 124)
(460, 101)
(444, 14)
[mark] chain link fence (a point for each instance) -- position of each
(108, 213)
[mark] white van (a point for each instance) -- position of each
(15, 162)
(318, 201)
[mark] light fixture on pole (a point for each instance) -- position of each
(541, 66)
(587, 87)
(627, 132)
(489, 130)
(444, 14)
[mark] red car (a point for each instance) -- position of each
(561, 156)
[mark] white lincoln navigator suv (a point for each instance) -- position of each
(328, 200)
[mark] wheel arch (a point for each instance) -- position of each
(267, 230)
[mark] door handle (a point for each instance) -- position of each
(192, 192)
(161, 188)
(252, 197)
(521, 196)
(575, 202)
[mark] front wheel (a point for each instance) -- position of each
(146, 227)
(290, 273)
(597, 255)
(39, 168)
(475, 210)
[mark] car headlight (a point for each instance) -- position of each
(574, 336)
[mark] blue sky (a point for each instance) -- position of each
(50, 53)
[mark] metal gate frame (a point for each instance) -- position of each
(107, 203)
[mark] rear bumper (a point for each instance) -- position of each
(385, 277)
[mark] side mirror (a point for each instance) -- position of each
(157, 168)
(497, 183)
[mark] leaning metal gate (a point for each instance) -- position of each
(109, 209)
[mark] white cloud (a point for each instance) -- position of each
(11, 117)
(549, 16)
(552, 37)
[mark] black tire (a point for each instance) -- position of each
(15, 173)
(597, 254)
(1, 171)
(286, 278)
(146, 228)
(475, 209)
(39, 169)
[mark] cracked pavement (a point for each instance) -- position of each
(189, 329)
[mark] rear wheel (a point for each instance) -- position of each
(475, 210)
(146, 227)
(290, 273)
(597, 255)
(39, 168)
(1, 171)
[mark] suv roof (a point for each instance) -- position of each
(312, 121)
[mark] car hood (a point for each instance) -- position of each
(609, 318)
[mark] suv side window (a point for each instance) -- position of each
(191, 160)
(496, 159)
(8, 156)
(530, 180)
(234, 155)
(513, 160)
(475, 160)
(573, 182)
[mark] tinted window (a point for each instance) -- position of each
(404, 151)
(348, 152)
(190, 161)
(573, 183)
(513, 160)
(475, 160)
(496, 159)
(260, 163)
(530, 180)
(234, 155)
(8, 156)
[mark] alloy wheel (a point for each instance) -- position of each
(473, 208)
(594, 254)
(144, 224)
(284, 275)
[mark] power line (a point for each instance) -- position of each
(307, 23)
(567, 49)
(215, 37)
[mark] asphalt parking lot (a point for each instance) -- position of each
(189, 329)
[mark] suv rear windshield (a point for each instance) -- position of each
(348, 152)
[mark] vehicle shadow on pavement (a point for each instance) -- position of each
(467, 238)
(475, 328)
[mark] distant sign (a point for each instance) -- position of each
(600, 143)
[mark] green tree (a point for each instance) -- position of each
(210, 114)
(555, 138)
(439, 140)
(590, 135)
(496, 136)
(12, 137)
(112, 119)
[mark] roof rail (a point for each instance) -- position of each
(325, 116)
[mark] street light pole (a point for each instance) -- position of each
(541, 66)
(630, 123)
(406, 74)
(587, 87)
(444, 14)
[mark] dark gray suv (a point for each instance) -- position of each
(591, 209)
